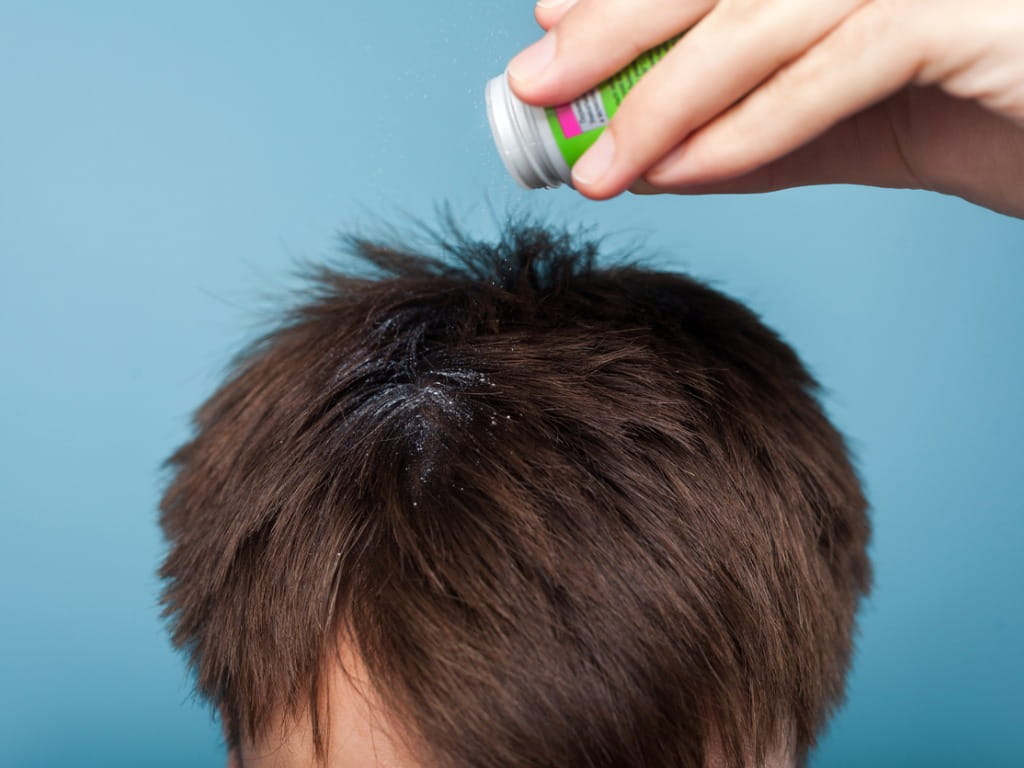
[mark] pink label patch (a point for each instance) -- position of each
(567, 119)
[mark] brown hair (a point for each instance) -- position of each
(570, 516)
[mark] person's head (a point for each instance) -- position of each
(508, 508)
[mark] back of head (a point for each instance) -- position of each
(565, 515)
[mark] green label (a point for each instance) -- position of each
(577, 124)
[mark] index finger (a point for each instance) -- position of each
(594, 40)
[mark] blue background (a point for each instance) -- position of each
(162, 167)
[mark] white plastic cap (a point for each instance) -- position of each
(523, 138)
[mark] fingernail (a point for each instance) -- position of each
(529, 64)
(550, 3)
(595, 161)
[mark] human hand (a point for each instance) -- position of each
(767, 94)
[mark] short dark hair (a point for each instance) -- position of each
(570, 515)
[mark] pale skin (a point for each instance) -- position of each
(360, 733)
(761, 95)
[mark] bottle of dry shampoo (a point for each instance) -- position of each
(539, 145)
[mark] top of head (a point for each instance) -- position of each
(568, 515)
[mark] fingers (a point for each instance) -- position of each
(830, 82)
(735, 47)
(863, 149)
(549, 12)
(784, 173)
(810, 165)
(594, 39)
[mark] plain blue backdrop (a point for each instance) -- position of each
(164, 165)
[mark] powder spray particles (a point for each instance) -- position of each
(539, 145)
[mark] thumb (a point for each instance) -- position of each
(549, 12)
